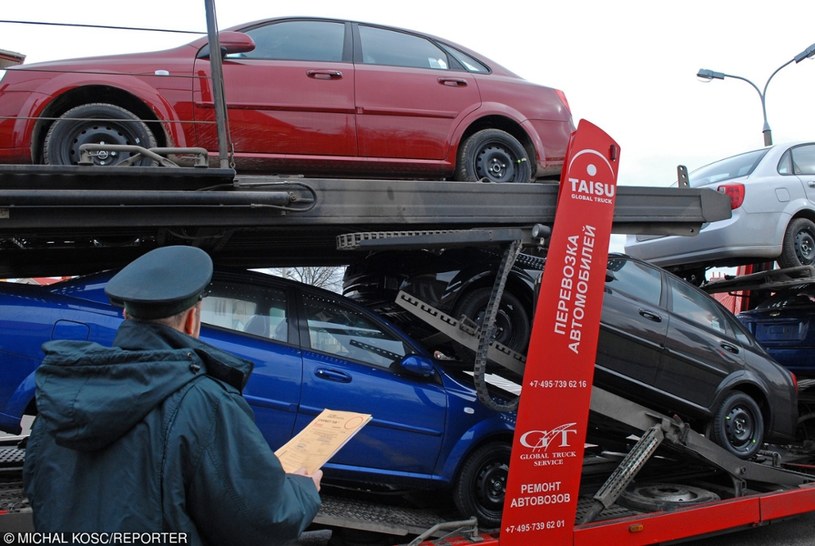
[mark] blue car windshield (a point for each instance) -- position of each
(726, 169)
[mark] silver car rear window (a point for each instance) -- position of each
(726, 169)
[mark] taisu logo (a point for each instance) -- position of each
(543, 439)
(590, 185)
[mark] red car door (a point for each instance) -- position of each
(291, 95)
(408, 100)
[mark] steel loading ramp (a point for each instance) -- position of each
(770, 279)
(622, 416)
(73, 219)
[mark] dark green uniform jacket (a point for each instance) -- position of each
(153, 435)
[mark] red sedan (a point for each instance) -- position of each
(311, 96)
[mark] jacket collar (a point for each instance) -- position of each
(138, 335)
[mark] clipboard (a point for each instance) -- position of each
(321, 439)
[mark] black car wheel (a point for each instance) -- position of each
(482, 484)
(493, 155)
(805, 432)
(512, 324)
(697, 277)
(738, 425)
(799, 244)
(95, 124)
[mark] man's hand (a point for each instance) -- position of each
(315, 476)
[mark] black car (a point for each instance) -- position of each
(458, 281)
(663, 342)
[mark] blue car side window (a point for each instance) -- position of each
(342, 331)
(256, 310)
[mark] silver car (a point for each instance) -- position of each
(772, 192)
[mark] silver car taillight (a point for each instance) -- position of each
(735, 192)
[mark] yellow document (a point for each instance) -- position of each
(321, 439)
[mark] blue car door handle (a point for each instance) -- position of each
(332, 375)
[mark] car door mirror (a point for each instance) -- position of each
(235, 42)
(231, 43)
(418, 365)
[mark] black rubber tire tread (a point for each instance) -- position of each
(743, 403)
(60, 146)
(489, 461)
(790, 253)
(475, 302)
(472, 147)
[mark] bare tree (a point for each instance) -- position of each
(329, 278)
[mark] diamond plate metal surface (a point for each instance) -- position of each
(381, 518)
(11, 457)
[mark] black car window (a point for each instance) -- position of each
(635, 279)
(256, 310)
(344, 332)
(393, 48)
(297, 41)
(696, 306)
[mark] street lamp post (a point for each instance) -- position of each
(710, 75)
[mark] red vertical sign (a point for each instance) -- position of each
(547, 452)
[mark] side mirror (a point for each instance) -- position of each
(231, 42)
(10, 58)
(235, 42)
(418, 365)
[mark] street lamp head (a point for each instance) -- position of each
(707, 75)
(808, 53)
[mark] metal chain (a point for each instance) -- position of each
(487, 328)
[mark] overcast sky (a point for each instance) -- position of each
(628, 67)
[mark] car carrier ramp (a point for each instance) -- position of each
(623, 417)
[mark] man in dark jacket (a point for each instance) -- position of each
(153, 435)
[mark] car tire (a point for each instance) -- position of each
(738, 425)
(799, 244)
(805, 433)
(513, 326)
(481, 485)
(697, 277)
(94, 124)
(492, 155)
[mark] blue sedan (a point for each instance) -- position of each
(784, 324)
(312, 349)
